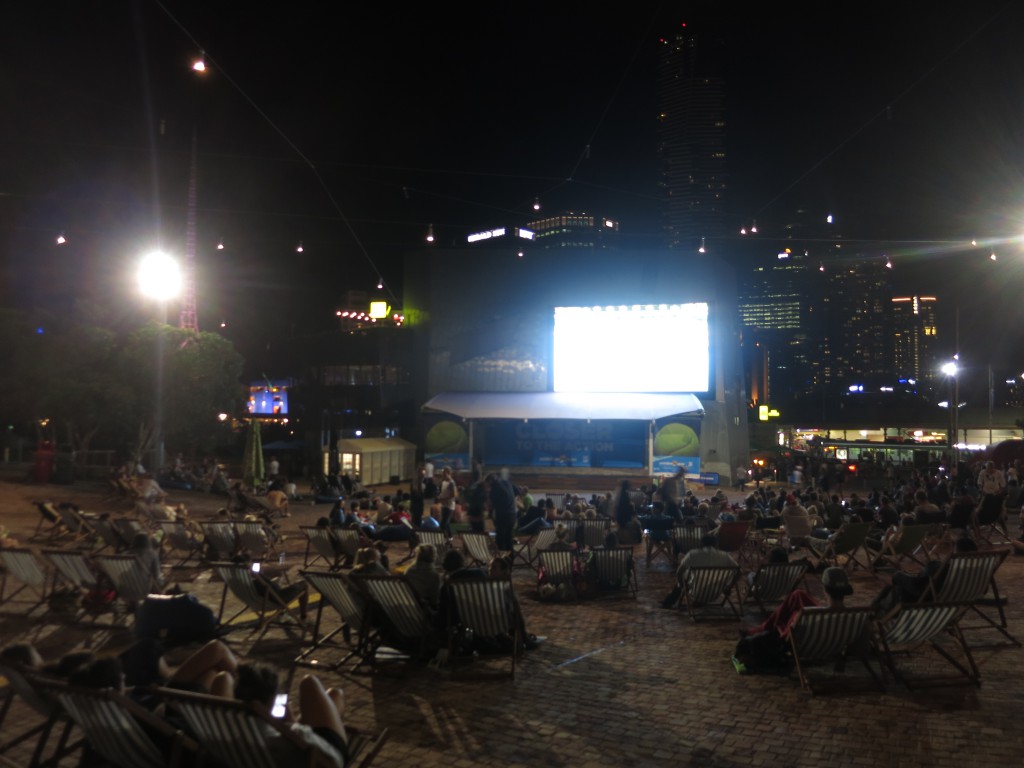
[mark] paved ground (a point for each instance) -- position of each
(620, 682)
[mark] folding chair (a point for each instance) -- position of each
(909, 627)
(122, 731)
(796, 530)
(107, 535)
(258, 596)
(219, 539)
(969, 577)
(595, 530)
(486, 611)
(130, 580)
(50, 526)
(399, 617)
(350, 605)
(442, 543)
(239, 733)
(615, 569)
(23, 684)
(732, 538)
(906, 543)
(80, 573)
(990, 525)
(830, 636)
(479, 548)
(658, 540)
(545, 538)
(182, 541)
(321, 544)
(22, 566)
(77, 524)
(708, 588)
(841, 548)
(256, 540)
(772, 583)
(685, 538)
(558, 566)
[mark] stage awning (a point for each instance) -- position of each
(630, 406)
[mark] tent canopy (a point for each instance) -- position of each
(631, 406)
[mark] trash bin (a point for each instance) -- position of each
(43, 461)
(64, 467)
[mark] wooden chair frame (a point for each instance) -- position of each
(829, 635)
(909, 627)
(710, 587)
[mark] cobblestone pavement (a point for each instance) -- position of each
(619, 682)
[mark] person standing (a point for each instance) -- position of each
(447, 495)
(501, 497)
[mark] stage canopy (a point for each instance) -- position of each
(630, 406)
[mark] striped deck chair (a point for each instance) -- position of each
(22, 571)
(843, 546)
(658, 540)
(486, 611)
(685, 538)
(442, 543)
(594, 531)
(708, 590)
(181, 541)
(75, 572)
(130, 580)
(772, 583)
(733, 537)
(219, 538)
(348, 540)
(108, 536)
(237, 733)
(830, 636)
(479, 548)
(349, 603)
(557, 567)
(321, 545)
(969, 577)
(906, 543)
(122, 731)
(256, 540)
(77, 524)
(910, 627)
(615, 570)
(258, 597)
(545, 538)
(23, 684)
(399, 617)
(51, 526)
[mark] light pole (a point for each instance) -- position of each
(159, 278)
(951, 369)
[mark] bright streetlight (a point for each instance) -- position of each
(159, 278)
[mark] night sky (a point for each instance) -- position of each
(352, 130)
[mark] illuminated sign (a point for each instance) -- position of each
(526, 234)
(764, 413)
(379, 309)
(499, 232)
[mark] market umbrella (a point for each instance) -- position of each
(252, 458)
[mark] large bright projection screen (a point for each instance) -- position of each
(642, 348)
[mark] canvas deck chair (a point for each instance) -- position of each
(486, 611)
(76, 572)
(594, 531)
(831, 636)
(733, 538)
(969, 577)
(256, 540)
(441, 541)
(557, 567)
(256, 595)
(122, 731)
(910, 627)
(845, 548)
(322, 546)
(337, 591)
(219, 539)
(108, 535)
(47, 715)
(906, 543)
(400, 619)
(990, 525)
(545, 538)
(132, 583)
(658, 538)
(181, 541)
(50, 526)
(708, 592)
(23, 572)
(615, 570)
(772, 583)
(77, 524)
(685, 538)
(236, 733)
(478, 547)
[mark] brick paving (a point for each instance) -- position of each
(619, 682)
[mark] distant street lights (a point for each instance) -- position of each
(951, 369)
(159, 278)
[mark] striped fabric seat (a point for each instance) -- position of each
(22, 567)
(130, 580)
(79, 574)
(773, 582)
(401, 619)
(120, 729)
(478, 547)
(256, 539)
(685, 538)
(439, 539)
(557, 565)
(487, 609)
(181, 540)
(910, 627)
(243, 734)
(823, 636)
(907, 543)
(220, 539)
(846, 543)
(545, 538)
(256, 595)
(969, 577)
(49, 714)
(615, 569)
(709, 588)
(594, 531)
(321, 546)
(350, 605)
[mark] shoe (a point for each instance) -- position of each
(739, 666)
(533, 642)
